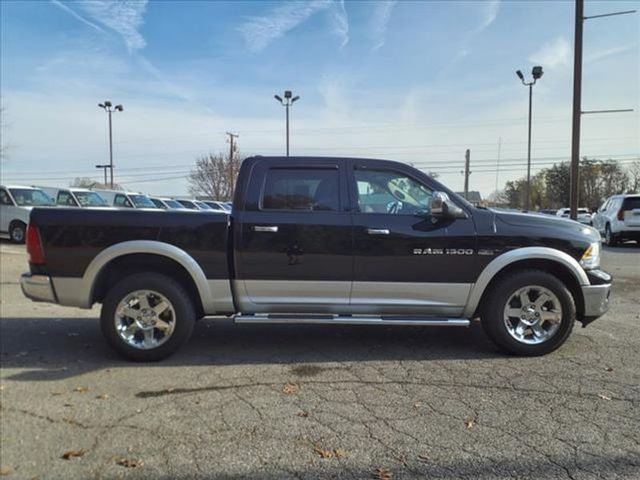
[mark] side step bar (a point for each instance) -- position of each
(351, 320)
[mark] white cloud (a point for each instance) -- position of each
(490, 10)
(380, 22)
(125, 17)
(608, 52)
(553, 54)
(340, 22)
(76, 15)
(259, 32)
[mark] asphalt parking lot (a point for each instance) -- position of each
(279, 402)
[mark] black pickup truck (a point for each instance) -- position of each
(322, 241)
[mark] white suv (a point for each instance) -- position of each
(618, 218)
(583, 215)
(16, 203)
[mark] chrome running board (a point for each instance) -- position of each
(352, 320)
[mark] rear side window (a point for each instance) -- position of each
(4, 198)
(310, 189)
(631, 203)
(65, 198)
(122, 201)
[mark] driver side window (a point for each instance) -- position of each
(391, 192)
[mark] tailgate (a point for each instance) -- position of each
(632, 217)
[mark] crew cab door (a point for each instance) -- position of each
(293, 238)
(405, 260)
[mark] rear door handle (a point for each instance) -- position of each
(378, 231)
(265, 228)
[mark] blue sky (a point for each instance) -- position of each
(417, 82)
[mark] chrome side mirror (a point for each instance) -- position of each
(443, 207)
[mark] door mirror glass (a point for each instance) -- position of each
(443, 207)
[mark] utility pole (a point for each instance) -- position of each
(498, 162)
(577, 103)
(577, 107)
(104, 167)
(467, 161)
(106, 106)
(232, 149)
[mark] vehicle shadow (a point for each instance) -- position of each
(52, 349)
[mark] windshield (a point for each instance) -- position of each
(203, 206)
(173, 204)
(30, 197)
(142, 201)
(188, 204)
(583, 210)
(90, 199)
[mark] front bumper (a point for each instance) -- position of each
(38, 288)
(596, 301)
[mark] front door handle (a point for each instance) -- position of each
(264, 228)
(378, 231)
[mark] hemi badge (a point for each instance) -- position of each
(484, 251)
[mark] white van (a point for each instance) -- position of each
(76, 197)
(16, 202)
(120, 199)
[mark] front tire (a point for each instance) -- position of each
(528, 313)
(17, 232)
(147, 317)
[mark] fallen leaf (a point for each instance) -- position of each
(423, 457)
(303, 414)
(290, 389)
(73, 454)
(129, 462)
(339, 452)
(170, 390)
(417, 405)
(382, 473)
(56, 393)
(609, 369)
(81, 389)
(469, 424)
(6, 470)
(68, 405)
(604, 397)
(70, 420)
(104, 396)
(322, 452)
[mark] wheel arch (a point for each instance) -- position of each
(147, 255)
(549, 260)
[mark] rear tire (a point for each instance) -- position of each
(609, 238)
(17, 232)
(139, 333)
(518, 334)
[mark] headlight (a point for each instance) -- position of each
(591, 256)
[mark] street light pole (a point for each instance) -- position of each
(106, 106)
(536, 72)
(289, 99)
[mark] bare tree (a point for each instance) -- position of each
(634, 177)
(85, 182)
(214, 176)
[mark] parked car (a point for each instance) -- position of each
(618, 218)
(217, 206)
(166, 203)
(193, 204)
(547, 211)
(120, 199)
(306, 245)
(16, 202)
(584, 216)
(76, 197)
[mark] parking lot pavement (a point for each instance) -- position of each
(318, 402)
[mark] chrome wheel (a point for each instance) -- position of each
(145, 319)
(532, 314)
(17, 234)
